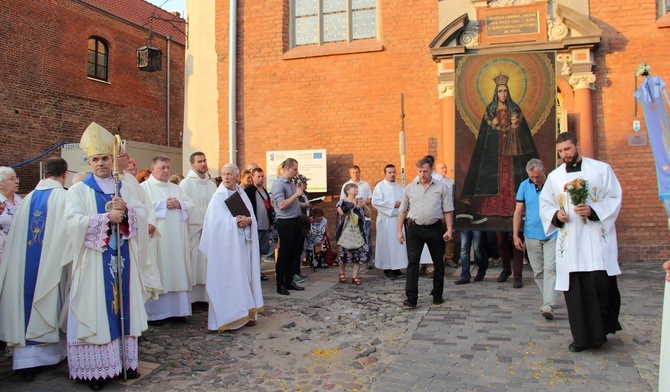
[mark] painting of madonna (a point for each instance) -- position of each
(505, 116)
(498, 165)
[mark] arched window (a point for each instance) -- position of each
(98, 58)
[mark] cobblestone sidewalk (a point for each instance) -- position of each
(487, 336)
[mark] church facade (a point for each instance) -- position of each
(349, 76)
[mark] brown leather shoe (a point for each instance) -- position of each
(452, 263)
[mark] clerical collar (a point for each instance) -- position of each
(574, 167)
(105, 184)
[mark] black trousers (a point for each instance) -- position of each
(417, 236)
(291, 242)
(593, 303)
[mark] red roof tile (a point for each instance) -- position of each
(146, 15)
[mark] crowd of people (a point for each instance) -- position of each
(85, 270)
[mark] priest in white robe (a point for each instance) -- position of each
(95, 335)
(33, 284)
(390, 255)
(586, 246)
(169, 246)
(199, 186)
(230, 242)
(149, 270)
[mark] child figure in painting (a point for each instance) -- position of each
(512, 139)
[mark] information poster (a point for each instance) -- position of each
(311, 164)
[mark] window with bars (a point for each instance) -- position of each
(323, 21)
(98, 58)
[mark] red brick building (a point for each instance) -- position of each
(66, 63)
(303, 85)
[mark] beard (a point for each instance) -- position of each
(574, 159)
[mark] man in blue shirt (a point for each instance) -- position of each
(541, 249)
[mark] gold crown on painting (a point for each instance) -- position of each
(96, 140)
(501, 79)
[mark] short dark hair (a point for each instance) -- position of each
(390, 165)
(54, 167)
(256, 170)
(354, 167)
(161, 158)
(317, 212)
(424, 161)
(195, 154)
(288, 163)
(566, 136)
(430, 158)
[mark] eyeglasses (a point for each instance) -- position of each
(123, 156)
(12, 179)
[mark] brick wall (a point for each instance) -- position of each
(630, 36)
(350, 103)
(46, 97)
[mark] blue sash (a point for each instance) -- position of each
(36, 226)
(110, 267)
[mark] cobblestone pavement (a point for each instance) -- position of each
(487, 336)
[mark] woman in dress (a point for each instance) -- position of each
(9, 185)
(358, 209)
(504, 145)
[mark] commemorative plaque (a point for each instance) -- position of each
(512, 24)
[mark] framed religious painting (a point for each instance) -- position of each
(505, 116)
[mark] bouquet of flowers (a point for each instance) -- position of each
(578, 190)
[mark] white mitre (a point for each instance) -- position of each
(96, 140)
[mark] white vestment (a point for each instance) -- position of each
(91, 351)
(50, 286)
(150, 276)
(200, 190)
(233, 271)
(169, 249)
(389, 253)
(590, 246)
(664, 357)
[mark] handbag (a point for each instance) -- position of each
(331, 256)
(351, 237)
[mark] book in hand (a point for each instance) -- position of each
(317, 200)
(236, 205)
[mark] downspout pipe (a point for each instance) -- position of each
(167, 91)
(232, 87)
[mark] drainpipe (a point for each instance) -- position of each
(232, 89)
(167, 89)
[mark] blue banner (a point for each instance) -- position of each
(650, 94)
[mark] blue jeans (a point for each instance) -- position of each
(473, 238)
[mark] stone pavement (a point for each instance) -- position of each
(487, 336)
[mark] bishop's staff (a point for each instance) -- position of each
(119, 261)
